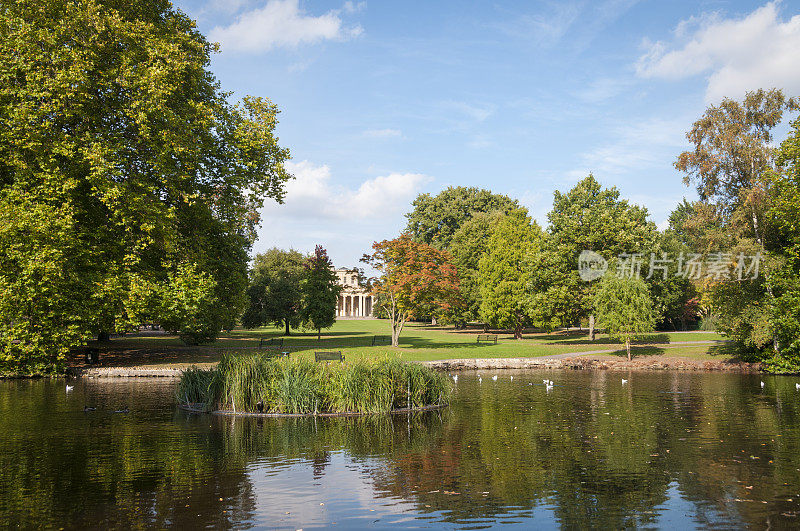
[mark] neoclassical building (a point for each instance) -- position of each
(354, 301)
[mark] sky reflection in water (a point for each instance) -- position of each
(664, 450)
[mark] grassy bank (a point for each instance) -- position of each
(260, 383)
(419, 342)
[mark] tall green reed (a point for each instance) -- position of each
(240, 383)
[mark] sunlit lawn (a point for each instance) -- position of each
(420, 342)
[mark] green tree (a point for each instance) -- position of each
(120, 158)
(783, 217)
(320, 291)
(624, 308)
(590, 217)
(415, 280)
(275, 293)
(434, 220)
(504, 277)
(730, 164)
(189, 304)
(468, 245)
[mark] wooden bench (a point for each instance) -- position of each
(381, 340)
(488, 338)
(271, 342)
(329, 356)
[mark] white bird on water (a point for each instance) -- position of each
(69, 388)
(494, 377)
(624, 381)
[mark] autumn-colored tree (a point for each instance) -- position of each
(415, 280)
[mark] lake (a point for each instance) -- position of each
(665, 449)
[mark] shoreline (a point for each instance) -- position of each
(588, 361)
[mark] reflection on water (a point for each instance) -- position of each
(665, 449)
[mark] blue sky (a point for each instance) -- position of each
(383, 100)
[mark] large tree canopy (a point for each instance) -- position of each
(434, 220)
(120, 159)
(589, 217)
(504, 272)
(732, 164)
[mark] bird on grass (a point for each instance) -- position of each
(624, 381)
(455, 378)
(480, 380)
(512, 377)
(797, 386)
(86, 409)
(494, 377)
(762, 385)
(126, 410)
(548, 386)
(69, 388)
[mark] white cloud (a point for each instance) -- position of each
(312, 195)
(478, 112)
(383, 133)
(759, 50)
(639, 146)
(282, 23)
(345, 220)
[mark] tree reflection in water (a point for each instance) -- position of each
(666, 449)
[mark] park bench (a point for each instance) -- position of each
(381, 340)
(329, 356)
(271, 342)
(488, 338)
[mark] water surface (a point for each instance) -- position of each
(666, 449)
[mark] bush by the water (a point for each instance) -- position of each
(240, 383)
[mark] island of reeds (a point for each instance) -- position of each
(260, 383)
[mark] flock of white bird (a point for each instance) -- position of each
(547, 383)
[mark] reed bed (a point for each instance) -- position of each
(241, 382)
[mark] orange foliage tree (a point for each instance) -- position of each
(416, 280)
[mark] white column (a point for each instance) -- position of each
(361, 306)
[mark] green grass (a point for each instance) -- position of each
(418, 342)
(241, 382)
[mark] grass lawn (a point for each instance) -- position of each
(418, 342)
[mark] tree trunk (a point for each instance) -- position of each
(628, 348)
(287, 326)
(319, 334)
(518, 332)
(591, 327)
